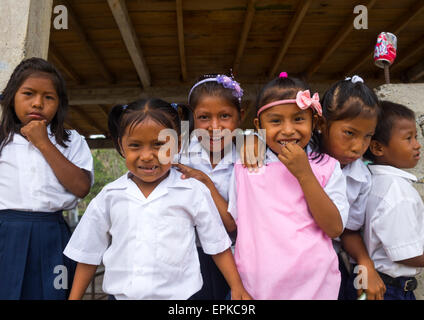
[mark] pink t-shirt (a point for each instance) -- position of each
(280, 251)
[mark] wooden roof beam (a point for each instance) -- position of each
(100, 143)
(245, 32)
(91, 121)
(416, 72)
(73, 125)
(62, 63)
(118, 95)
(335, 42)
(396, 28)
(291, 32)
(122, 19)
(412, 51)
(73, 19)
(181, 46)
(104, 110)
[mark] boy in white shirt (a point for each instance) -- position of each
(394, 221)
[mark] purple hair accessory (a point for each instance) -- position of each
(229, 83)
(226, 82)
(283, 75)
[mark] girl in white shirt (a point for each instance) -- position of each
(44, 169)
(215, 102)
(350, 113)
(143, 225)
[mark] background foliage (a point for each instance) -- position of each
(108, 166)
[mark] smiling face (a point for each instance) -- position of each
(214, 113)
(403, 149)
(141, 149)
(284, 124)
(36, 99)
(347, 140)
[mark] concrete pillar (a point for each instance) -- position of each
(410, 95)
(24, 33)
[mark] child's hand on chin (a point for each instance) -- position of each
(295, 159)
(36, 132)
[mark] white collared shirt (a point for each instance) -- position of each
(335, 189)
(394, 221)
(358, 186)
(198, 158)
(28, 183)
(148, 244)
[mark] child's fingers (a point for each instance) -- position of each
(283, 158)
(181, 167)
(252, 161)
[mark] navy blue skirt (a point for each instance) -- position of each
(32, 264)
(215, 286)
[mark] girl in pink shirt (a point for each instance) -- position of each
(287, 213)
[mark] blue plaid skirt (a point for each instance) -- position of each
(32, 264)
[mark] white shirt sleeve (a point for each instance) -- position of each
(210, 229)
(232, 196)
(80, 154)
(356, 217)
(91, 237)
(336, 191)
(397, 231)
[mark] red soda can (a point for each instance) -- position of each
(385, 49)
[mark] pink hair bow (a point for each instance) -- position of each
(304, 101)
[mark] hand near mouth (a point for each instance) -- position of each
(36, 132)
(295, 159)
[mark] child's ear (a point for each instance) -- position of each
(321, 124)
(376, 148)
(242, 114)
(121, 150)
(256, 123)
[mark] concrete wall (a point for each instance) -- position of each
(412, 96)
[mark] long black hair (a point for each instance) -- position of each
(9, 122)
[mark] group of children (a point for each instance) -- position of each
(214, 224)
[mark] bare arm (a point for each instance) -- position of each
(74, 179)
(225, 263)
(416, 262)
(354, 245)
(323, 210)
(83, 276)
(222, 206)
(220, 202)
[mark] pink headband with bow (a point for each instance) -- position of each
(303, 101)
